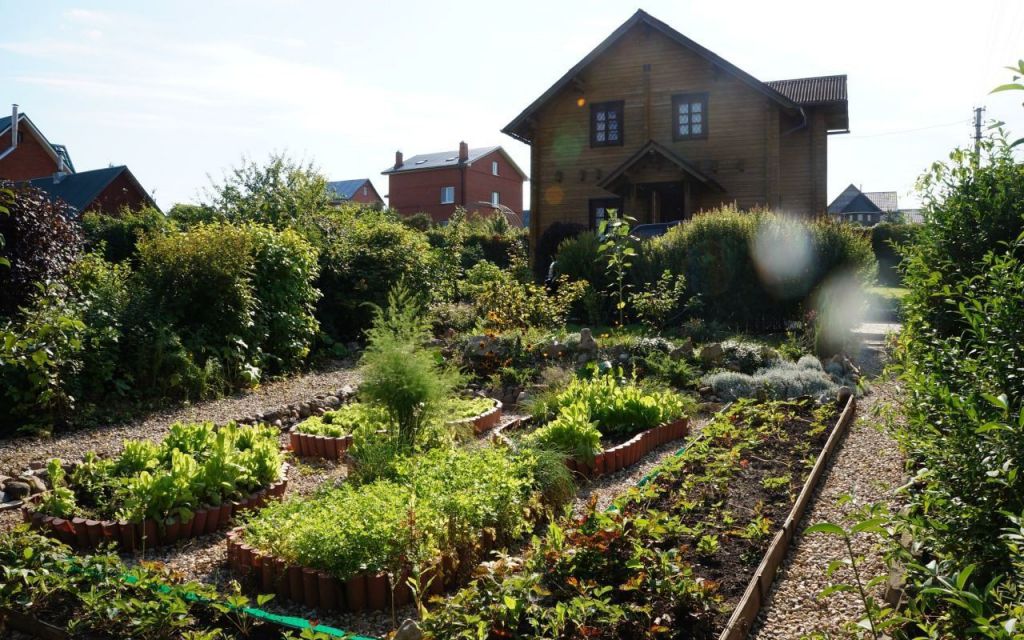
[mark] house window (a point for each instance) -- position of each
(599, 209)
(364, 192)
(447, 195)
(690, 116)
(494, 168)
(606, 124)
(494, 199)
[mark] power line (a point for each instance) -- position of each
(901, 131)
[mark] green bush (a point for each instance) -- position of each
(572, 433)
(363, 256)
(119, 234)
(885, 238)
(744, 266)
(281, 193)
(40, 244)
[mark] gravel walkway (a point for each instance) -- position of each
(15, 455)
(867, 465)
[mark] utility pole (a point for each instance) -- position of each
(977, 132)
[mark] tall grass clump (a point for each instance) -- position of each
(400, 373)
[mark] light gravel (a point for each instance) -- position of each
(16, 455)
(867, 466)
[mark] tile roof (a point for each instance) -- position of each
(79, 189)
(345, 189)
(884, 200)
(853, 200)
(58, 149)
(817, 90)
(438, 160)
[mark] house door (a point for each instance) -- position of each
(668, 201)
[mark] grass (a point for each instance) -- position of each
(889, 293)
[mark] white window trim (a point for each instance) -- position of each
(494, 167)
(495, 198)
(445, 197)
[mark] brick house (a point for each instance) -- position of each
(437, 183)
(26, 156)
(655, 125)
(360, 190)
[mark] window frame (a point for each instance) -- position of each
(593, 204)
(690, 98)
(619, 106)
(494, 167)
(495, 198)
(444, 191)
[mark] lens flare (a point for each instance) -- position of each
(840, 303)
(784, 255)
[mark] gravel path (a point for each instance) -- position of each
(15, 455)
(867, 465)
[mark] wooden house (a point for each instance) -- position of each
(655, 125)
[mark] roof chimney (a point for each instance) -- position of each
(463, 151)
(14, 126)
(398, 159)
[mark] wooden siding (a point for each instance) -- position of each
(745, 150)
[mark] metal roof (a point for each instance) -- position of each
(345, 189)
(853, 200)
(811, 91)
(443, 159)
(79, 190)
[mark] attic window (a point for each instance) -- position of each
(421, 162)
(606, 124)
(690, 116)
(451, 159)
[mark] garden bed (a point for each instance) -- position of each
(190, 484)
(683, 550)
(628, 453)
(482, 422)
(87, 534)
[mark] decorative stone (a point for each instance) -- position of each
(410, 630)
(683, 351)
(483, 346)
(712, 353)
(843, 395)
(17, 490)
(36, 485)
(587, 342)
(332, 401)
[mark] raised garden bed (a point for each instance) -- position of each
(483, 421)
(307, 445)
(190, 484)
(87, 534)
(689, 551)
(628, 453)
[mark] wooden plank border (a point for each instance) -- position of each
(745, 613)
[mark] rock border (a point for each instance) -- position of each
(85, 534)
(631, 451)
(484, 421)
(745, 613)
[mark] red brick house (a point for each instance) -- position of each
(27, 156)
(360, 190)
(437, 183)
(25, 153)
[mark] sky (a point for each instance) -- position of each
(182, 91)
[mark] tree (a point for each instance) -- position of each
(282, 192)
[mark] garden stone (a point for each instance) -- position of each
(304, 410)
(583, 358)
(843, 395)
(556, 350)
(587, 342)
(332, 401)
(17, 490)
(35, 484)
(483, 346)
(712, 353)
(409, 630)
(683, 351)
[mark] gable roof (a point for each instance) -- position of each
(57, 151)
(654, 148)
(853, 200)
(812, 91)
(516, 128)
(80, 190)
(345, 189)
(447, 159)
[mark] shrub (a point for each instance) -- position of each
(458, 316)
(548, 243)
(40, 244)
(746, 267)
(579, 258)
(280, 193)
(119, 234)
(885, 238)
(782, 381)
(507, 304)
(398, 372)
(418, 221)
(363, 257)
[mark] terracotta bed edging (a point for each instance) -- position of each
(320, 590)
(631, 451)
(307, 445)
(484, 421)
(745, 613)
(85, 534)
